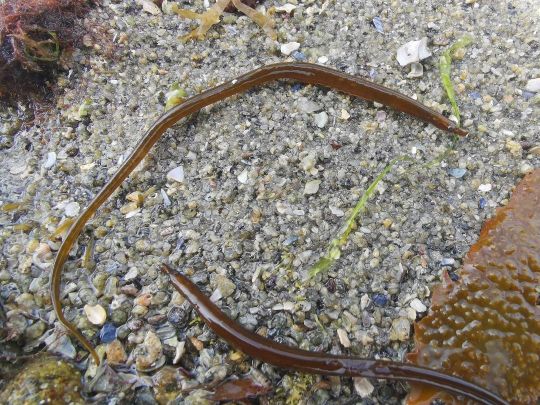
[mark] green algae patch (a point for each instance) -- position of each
(46, 380)
(445, 63)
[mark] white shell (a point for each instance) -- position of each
(95, 313)
(413, 51)
(362, 386)
(286, 8)
(176, 174)
(533, 85)
(72, 209)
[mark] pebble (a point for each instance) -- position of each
(290, 47)
(514, 148)
(345, 114)
(299, 56)
(484, 188)
(482, 203)
(176, 174)
(95, 313)
(533, 85)
(343, 338)
(321, 119)
(116, 353)
(35, 330)
(447, 261)
(72, 209)
(107, 333)
(322, 59)
(458, 173)
(312, 187)
(225, 286)
(400, 330)
(243, 177)
(380, 299)
(417, 305)
(150, 351)
(417, 70)
(362, 386)
(50, 161)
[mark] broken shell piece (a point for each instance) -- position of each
(176, 174)
(286, 8)
(72, 209)
(413, 51)
(50, 161)
(533, 85)
(95, 313)
(287, 49)
(417, 70)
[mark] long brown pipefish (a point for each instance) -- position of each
(289, 357)
(303, 72)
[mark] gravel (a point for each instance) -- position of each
(245, 196)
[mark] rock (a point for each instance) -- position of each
(286, 8)
(176, 174)
(533, 85)
(417, 305)
(116, 353)
(224, 285)
(149, 352)
(514, 148)
(243, 177)
(72, 209)
(417, 70)
(458, 173)
(290, 47)
(46, 380)
(413, 51)
(362, 386)
(343, 338)
(95, 313)
(380, 299)
(321, 119)
(312, 187)
(401, 328)
(107, 333)
(484, 188)
(50, 161)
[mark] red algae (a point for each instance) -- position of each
(485, 327)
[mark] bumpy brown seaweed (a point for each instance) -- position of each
(486, 327)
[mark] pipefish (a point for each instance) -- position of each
(302, 72)
(291, 358)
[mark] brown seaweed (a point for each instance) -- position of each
(486, 326)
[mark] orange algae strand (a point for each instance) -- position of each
(486, 326)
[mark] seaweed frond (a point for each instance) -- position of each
(444, 67)
(211, 17)
(333, 252)
(35, 36)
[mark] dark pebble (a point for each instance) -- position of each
(482, 203)
(178, 316)
(380, 299)
(296, 87)
(107, 333)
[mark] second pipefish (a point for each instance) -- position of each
(303, 72)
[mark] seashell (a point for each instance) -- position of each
(95, 313)
(413, 51)
(176, 174)
(42, 256)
